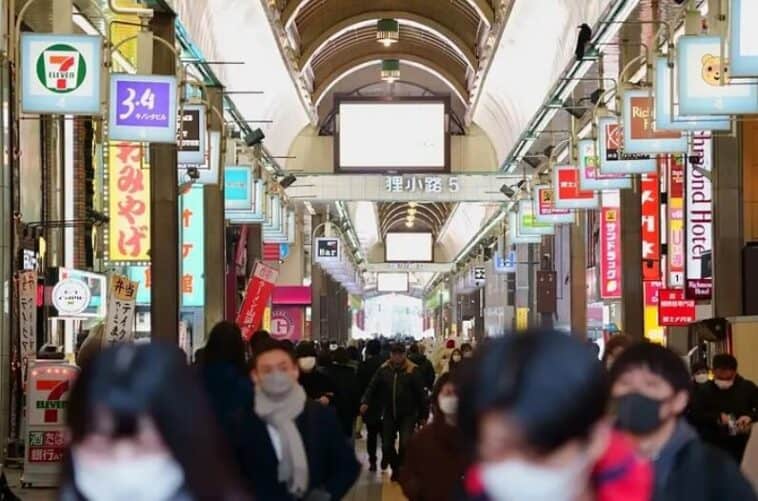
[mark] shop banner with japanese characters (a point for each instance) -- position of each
(142, 108)
(613, 158)
(259, 289)
(653, 330)
(610, 253)
(193, 247)
(640, 134)
(676, 221)
(651, 226)
(590, 177)
(27, 319)
(128, 203)
(674, 310)
(568, 194)
(699, 216)
(545, 211)
(119, 321)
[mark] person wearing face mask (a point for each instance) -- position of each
(295, 448)
(456, 358)
(729, 403)
(436, 458)
(132, 437)
(534, 407)
(314, 380)
(650, 390)
(467, 350)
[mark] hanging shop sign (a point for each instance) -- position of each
(96, 285)
(259, 211)
(119, 321)
(640, 134)
(590, 177)
(545, 211)
(667, 116)
(70, 297)
(193, 135)
(651, 226)
(209, 171)
(287, 322)
(257, 294)
(528, 223)
(653, 330)
(505, 262)
(610, 253)
(61, 74)
(128, 204)
(676, 251)
(327, 250)
(193, 248)
(743, 44)
(142, 108)
(699, 216)
(701, 75)
(27, 318)
(238, 187)
(674, 310)
(480, 274)
(568, 194)
(613, 158)
(514, 232)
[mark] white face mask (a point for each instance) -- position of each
(147, 478)
(307, 364)
(456, 358)
(701, 378)
(724, 384)
(518, 480)
(448, 404)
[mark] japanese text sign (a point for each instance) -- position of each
(590, 177)
(568, 194)
(422, 184)
(142, 108)
(238, 187)
(257, 294)
(61, 74)
(193, 248)
(651, 226)
(698, 215)
(674, 310)
(128, 204)
(676, 221)
(142, 275)
(610, 253)
(544, 210)
(119, 321)
(193, 136)
(27, 318)
(613, 159)
(640, 134)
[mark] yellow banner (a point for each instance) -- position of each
(128, 203)
(522, 319)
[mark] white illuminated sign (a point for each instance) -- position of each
(699, 215)
(71, 297)
(422, 184)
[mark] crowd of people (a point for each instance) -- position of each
(534, 416)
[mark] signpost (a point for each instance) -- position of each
(142, 108)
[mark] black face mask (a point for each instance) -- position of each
(638, 414)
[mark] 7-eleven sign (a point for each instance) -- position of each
(54, 403)
(47, 393)
(61, 68)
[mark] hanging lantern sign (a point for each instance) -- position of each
(142, 108)
(61, 74)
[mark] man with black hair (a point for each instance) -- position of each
(651, 389)
(417, 356)
(729, 404)
(373, 417)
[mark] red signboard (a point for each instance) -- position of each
(271, 252)
(568, 185)
(652, 292)
(610, 253)
(287, 322)
(259, 288)
(651, 227)
(46, 446)
(674, 309)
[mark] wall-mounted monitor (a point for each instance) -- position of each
(409, 247)
(392, 282)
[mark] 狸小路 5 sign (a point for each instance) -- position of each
(61, 74)
(142, 108)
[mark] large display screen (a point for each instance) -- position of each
(397, 135)
(409, 247)
(392, 282)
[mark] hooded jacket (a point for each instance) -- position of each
(397, 391)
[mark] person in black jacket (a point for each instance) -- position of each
(729, 405)
(651, 388)
(295, 448)
(347, 396)
(314, 379)
(373, 417)
(397, 389)
(417, 356)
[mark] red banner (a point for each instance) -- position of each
(259, 289)
(674, 310)
(651, 227)
(610, 253)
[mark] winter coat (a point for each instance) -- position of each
(398, 392)
(426, 367)
(230, 394)
(347, 399)
(366, 373)
(435, 463)
(317, 384)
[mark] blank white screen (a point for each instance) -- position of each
(392, 282)
(392, 135)
(409, 247)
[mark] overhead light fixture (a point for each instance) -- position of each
(409, 224)
(387, 31)
(390, 70)
(412, 204)
(287, 181)
(412, 211)
(255, 138)
(508, 191)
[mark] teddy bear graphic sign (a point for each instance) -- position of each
(704, 80)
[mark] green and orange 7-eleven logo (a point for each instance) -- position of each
(61, 68)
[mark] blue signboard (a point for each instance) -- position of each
(142, 108)
(61, 74)
(238, 188)
(141, 275)
(193, 248)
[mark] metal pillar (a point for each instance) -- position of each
(631, 269)
(578, 277)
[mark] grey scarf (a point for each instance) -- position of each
(280, 412)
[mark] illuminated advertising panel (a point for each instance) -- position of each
(651, 227)
(640, 134)
(193, 248)
(699, 216)
(743, 44)
(545, 212)
(613, 158)
(142, 108)
(676, 251)
(568, 194)
(590, 177)
(610, 253)
(128, 204)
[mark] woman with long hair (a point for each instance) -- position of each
(141, 428)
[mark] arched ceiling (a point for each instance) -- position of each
(429, 217)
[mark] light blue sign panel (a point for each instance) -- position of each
(142, 108)
(700, 79)
(141, 275)
(192, 219)
(613, 160)
(505, 263)
(743, 43)
(61, 74)
(590, 177)
(238, 188)
(664, 120)
(639, 134)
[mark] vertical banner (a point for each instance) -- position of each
(699, 216)
(676, 222)
(259, 289)
(119, 321)
(651, 227)
(610, 253)
(27, 319)
(193, 248)
(128, 204)
(653, 330)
